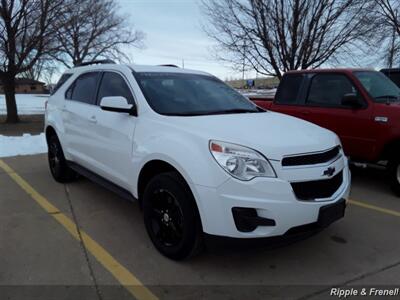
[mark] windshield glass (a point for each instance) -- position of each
(190, 94)
(381, 88)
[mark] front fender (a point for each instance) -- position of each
(186, 152)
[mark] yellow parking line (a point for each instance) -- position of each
(376, 208)
(126, 278)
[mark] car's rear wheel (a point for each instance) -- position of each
(394, 174)
(57, 163)
(171, 217)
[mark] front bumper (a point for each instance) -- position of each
(272, 198)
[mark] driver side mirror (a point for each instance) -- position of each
(352, 100)
(117, 104)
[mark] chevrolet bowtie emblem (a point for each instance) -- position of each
(329, 172)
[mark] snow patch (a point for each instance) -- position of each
(27, 104)
(22, 145)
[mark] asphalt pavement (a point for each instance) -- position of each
(80, 241)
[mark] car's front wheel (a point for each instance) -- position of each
(394, 174)
(171, 217)
(57, 163)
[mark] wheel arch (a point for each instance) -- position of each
(49, 131)
(157, 166)
(152, 168)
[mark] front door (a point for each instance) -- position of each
(323, 105)
(114, 133)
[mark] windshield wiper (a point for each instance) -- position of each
(387, 97)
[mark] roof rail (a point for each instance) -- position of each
(102, 61)
(169, 65)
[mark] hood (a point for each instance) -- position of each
(273, 134)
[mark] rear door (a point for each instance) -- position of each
(289, 98)
(113, 136)
(79, 106)
(323, 106)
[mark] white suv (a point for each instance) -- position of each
(198, 156)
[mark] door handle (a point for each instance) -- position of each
(93, 119)
(305, 113)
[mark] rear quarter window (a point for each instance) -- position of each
(60, 82)
(289, 89)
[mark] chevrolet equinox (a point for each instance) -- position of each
(198, 156)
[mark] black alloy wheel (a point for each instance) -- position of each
(171, 216)
(166, 218)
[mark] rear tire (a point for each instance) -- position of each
(394, 175)
(57, 163)
(171, 216)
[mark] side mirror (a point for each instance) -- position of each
(352, 100)
(117, 104)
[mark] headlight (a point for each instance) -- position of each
(241, 162)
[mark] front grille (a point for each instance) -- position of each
(311, 159)
(310, 190)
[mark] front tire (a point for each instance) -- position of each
(171, 216)
(57, 163)
(394, 175)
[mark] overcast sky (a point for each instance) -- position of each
(173, 33)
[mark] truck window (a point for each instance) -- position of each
(329, 89)
(289, 88)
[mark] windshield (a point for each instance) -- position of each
(190, 95)
(381, 88)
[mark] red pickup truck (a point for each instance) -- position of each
(362, 106)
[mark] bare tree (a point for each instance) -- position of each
(390, 11)
(26, 35)
(391, 55)
(273, 36)
(386, 17)
(42, 69)
(93, 28)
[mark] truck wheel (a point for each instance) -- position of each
(171, 217)
(57, 163)
(394, 173)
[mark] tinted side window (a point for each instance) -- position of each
(329, 89)
(113, 84)
(84, 88)
(60, 82)
(289, 88)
